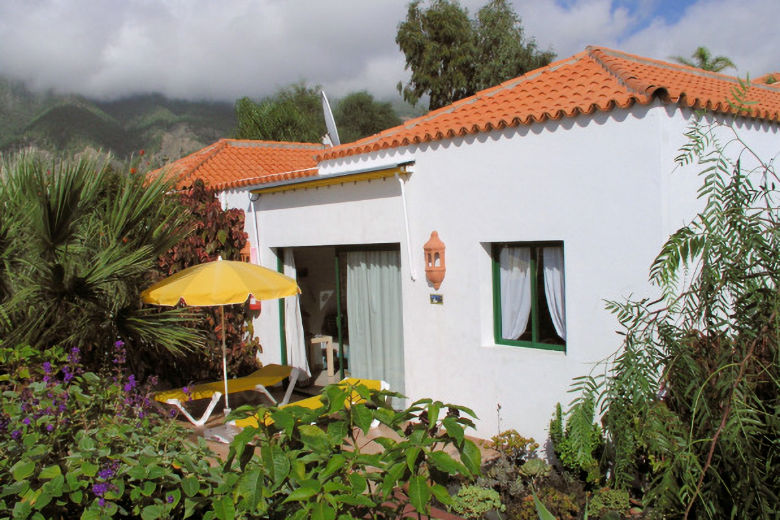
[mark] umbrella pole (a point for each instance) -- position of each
(224, 358)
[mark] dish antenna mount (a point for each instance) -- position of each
(332, 137)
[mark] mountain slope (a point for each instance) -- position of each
(70, 124)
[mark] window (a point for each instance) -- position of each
(529, 305)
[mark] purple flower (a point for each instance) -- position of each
(46, 367)
(27, 420)
(119, 356)
(101, 501)
(172, 413)
(16, 434)
(130, 383)
(49, 427)
(99, 489)
(169, 499)
(74, 357)
(106, 473)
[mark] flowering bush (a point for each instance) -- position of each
(78, 444)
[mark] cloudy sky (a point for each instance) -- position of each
(225, 49)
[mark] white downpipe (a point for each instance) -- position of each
(406, 223)
(254, 221)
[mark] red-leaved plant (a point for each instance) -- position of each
(216, 232)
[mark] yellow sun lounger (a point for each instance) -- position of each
(259, 380)
(315, 401)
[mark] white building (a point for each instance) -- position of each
(552, 193)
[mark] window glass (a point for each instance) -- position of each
(529, 294)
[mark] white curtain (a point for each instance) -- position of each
(515, 269)
(293, 324)
(374, 318)
(554, 287)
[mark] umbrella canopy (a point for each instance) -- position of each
(222, 282)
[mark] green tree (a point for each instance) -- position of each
(359, 115)
(452, 57)
(503, 50)
(79, 240)
(292, 114)
(702, 59)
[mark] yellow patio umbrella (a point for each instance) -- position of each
(221, 282)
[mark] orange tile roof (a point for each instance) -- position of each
(597, 79)
(772, 79)
(233, 163)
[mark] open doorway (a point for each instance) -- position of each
(352, 294)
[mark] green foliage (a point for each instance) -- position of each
(295, 114)
(79, 241)
(503, 475)
(452, 57)
(312, 462)
(503, 50)
(216, 232)
(702, 59)
(77, 444)
(690, 403)
(475, 501)
(606, 500)
(514, 446)
(535, 468)
(503, 472)
(578, 444)
(292, 114)
(548, 503)
(358, 115)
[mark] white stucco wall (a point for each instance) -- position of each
(602, 184)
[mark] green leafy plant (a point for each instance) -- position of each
(502, 473)
(475, 501)
(514, 446)
(610, 500)
(690, 401)
(78, 241)
(78, 444)
(579, 443)
(534, 469)
(312, 463)
(546, 503)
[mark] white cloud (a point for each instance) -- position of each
(233, 48)
(744, 31)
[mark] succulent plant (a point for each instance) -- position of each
(535, 468)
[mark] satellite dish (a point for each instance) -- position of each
(332, 137)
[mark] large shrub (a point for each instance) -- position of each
(316, 463)
(77, 242)
(77, 444)
(215, 233)
(690, 403)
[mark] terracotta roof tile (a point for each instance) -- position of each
(597, 79)
(233, 163)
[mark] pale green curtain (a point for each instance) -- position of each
(376, 346)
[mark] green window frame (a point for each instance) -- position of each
(537, 322)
